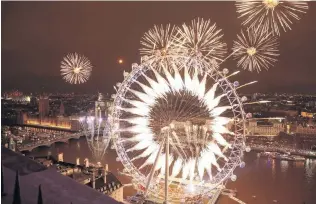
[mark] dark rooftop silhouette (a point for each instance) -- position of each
(55, 188)
(111, 184)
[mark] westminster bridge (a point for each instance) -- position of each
(49, 141)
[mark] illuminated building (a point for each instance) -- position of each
(267, 129)
(307, 114)
(101, 107)
(49, 122)
(309, 130)
(61, 157)
(43, 107)
(108, 184)
(61, 109)
(17, 96)
(21, 118)
(61, 123)
(288, 128)
(12, 144)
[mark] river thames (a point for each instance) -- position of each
(262, 181)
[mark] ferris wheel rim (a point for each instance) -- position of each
(124, 158)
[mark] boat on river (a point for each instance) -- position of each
(288, 157)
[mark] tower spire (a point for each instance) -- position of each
(61, 108)
(39, 197)
(16, 194)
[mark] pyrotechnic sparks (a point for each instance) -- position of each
(76, 68)
(154, 112)
(270, 14)
(200, 43)
(157, 46)
(97, 132)
(255, 49)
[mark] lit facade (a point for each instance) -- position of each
(43, 107)
(117, 194)
(102, 107)
(265, 130)
(108, 184)
(50, 122)
(306, 130)
(307, 114)
(62, 123)
(22, 118)
(62, 109)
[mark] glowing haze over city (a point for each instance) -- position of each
(35, 40)
(158, 102)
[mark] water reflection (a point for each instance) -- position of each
(284, 166)
(259, 182)
(273, 168)
(310, 170)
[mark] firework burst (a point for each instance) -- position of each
(200, 43)
(97, 134)
(157, 46)
(255, 49)
(75, 68)
(270, 14)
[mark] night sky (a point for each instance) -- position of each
(36, 36)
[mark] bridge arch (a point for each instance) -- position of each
(31, 148)
(74, 138)
(49, 143)
(60, 141)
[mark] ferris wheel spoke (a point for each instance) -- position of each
(147, 152)
(214, 148)
(149, 91)
(178, 145)
(152, 171)
(219, 138)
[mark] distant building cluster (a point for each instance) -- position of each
(60, 121)
(17, 96)
(264, 128)
(286, 104)
(274, 126)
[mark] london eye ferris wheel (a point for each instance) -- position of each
(177, 121)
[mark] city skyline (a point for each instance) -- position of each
(34, 42)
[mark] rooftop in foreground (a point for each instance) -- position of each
(56, 188)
